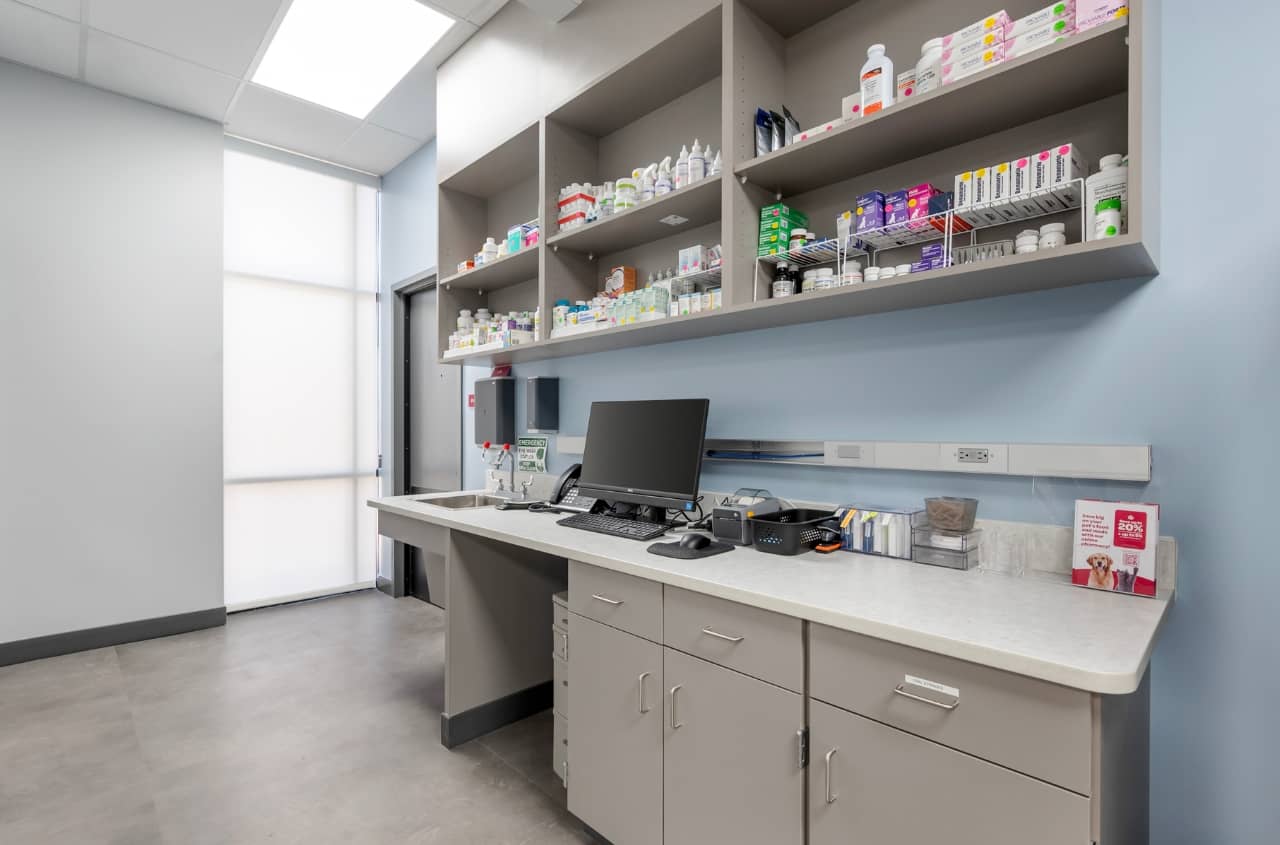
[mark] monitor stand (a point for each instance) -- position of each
(642, 513)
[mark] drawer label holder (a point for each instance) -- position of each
(925, 683)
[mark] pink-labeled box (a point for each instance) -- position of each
(1063, 11)
(1042, 182)
(1115, 545)
(1070, 166)
(1091, 13)
(1036, 39)
(961, 50)
(918, 198)
(996, 20)
(989, 57)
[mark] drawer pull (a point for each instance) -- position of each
(643, 709)
(675, 724)
(605, 599)
(831, 799)
(710, 633)
(902, 692)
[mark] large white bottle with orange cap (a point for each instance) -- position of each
(878, 81)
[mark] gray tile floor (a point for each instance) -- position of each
(310, 723)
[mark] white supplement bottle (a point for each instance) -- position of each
(1111, 181)
(697, 163)
(929, 68)
(878, 81)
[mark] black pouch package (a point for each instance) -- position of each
(779, 137)
(792, 128)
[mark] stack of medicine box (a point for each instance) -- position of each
(777, 221)
(974, 48)
(1040, 29)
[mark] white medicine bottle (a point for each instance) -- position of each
(1112, 181)
(877, 81)
(929, 68)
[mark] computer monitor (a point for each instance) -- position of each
(645, 453)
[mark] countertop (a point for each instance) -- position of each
(1035, 626)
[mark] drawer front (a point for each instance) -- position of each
(560, 678)
(560, 610)
(622, 601)
(560, 748)
(1038, 728)
(559, 642)
(755, 642)
(869, 783)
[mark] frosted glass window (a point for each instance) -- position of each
(300, 381)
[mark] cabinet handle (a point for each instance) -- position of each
(831, 799)
(605, 599)
(710, 633)
(643, 709)
(902, 692)
(675, 724)
(565, 639)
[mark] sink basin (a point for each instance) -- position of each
(467, 500)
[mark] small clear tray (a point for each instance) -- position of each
(953, 541)
(943, 557)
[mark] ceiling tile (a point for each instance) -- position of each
(376, 150)
(278, 119)
(410, 108)
(223, 35)
(69, 9)
(35, 38)
(127, 68)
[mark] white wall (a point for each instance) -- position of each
(110, 358)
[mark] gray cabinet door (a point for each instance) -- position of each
(615, 737)
(872, 783)
(731, 771)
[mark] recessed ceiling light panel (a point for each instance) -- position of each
(347, 55)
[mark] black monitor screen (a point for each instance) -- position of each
(645, 452)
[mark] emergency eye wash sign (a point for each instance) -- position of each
(531, 454)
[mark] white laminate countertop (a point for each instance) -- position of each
(1034, 626)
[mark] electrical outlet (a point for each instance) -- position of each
(982, 458)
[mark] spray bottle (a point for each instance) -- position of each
(697, 163)
(682, 168)
(715, 165)
(647, 180)
(663, 184)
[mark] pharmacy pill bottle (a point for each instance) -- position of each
(1107, 219)
(1112, 181)
(929, 68)
(878, 81)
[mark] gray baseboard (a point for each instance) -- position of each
(53, 645)
(465, 726)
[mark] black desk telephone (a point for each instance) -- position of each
(565, 495)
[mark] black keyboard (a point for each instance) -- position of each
(614, 526)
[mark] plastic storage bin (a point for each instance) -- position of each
(953, 541)
(950, 513)
(946, 557)
(791, 532)
(879, 530)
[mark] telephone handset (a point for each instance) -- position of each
(565, 495)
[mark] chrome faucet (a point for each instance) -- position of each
(508, 456)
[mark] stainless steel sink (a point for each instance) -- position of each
(467, 500)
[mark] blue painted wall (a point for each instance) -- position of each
(1186, 362)
(409, 212)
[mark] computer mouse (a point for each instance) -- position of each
(695, 541)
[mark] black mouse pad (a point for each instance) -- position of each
(681, 553)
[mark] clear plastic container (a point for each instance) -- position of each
(943, 557)
(952, 541)
(950, 513)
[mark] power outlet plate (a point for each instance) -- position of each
(974, 457)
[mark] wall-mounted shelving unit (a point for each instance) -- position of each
(1097, 89)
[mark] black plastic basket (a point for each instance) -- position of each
(792, 532)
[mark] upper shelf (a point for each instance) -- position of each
(677, 65)
(495, 171)
(506, 271)
(1123, 257)
(1081, 69)
(699, 203)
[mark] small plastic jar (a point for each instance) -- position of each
(871, 274)
(902, 270)
(797, 239)
(888, 272)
